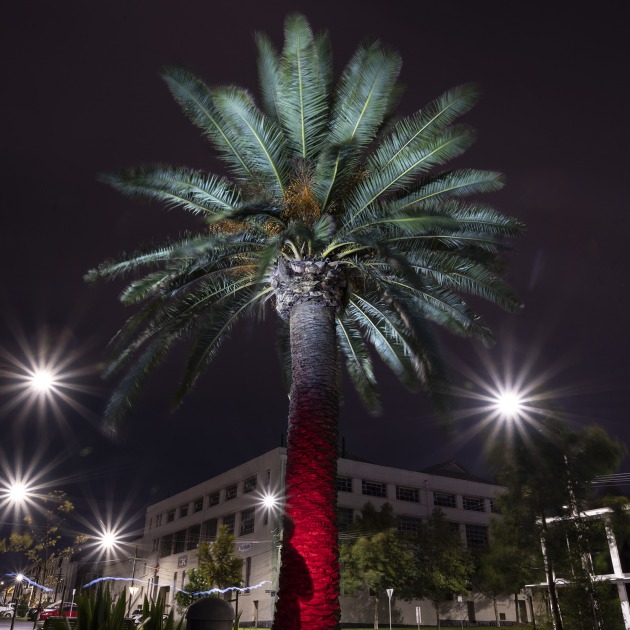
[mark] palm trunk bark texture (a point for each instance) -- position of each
(308, 595)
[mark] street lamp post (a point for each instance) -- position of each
(17, 591)
(390, 592)
(512, 405)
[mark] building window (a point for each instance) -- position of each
(179, 541)
(345, 516)
(150, 523)
(475, 504)
(197, 505)
(210, 530)
(167, 546)
(443, 499)
(403, 493)
(158, 520)
(213, 499)
(407, 524)
(228, 521)
(494, 507)
(183, 511)
(247, 522)
(476, 536)
(344, 484)
(192, 538)
(156, 544)
(373, 488)
(230, 492)
(170, 516)
(249, 485)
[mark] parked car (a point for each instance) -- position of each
(6, 610)
(66, 609)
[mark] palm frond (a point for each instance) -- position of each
(358, 363)
(324, 54)
(129, 263)
(362, 95)
(425, 124)
(395, 275)
(302, 97)
(435, 190)
(127, 391)
(461, 274)
(218, 321)
(198, 192)
(362, 99)
(195, 98)
(385, 332)
(335, 165)
(426, 357)
(268, 76)
(399, 172)
(406, 223)
(139, 290)
(260, 140)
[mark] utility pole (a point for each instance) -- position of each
(132, 588)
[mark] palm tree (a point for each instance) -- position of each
(341, 220)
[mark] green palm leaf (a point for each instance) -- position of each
(177, 187)
(358, 363)
(362, 101)
(259, 139)
(195, 98)
(436, 190)
(302, 95)
(423, 125)
(398, 173)
(217, 324)
(268, 76)
(384, 332)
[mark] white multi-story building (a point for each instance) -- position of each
(176, 526)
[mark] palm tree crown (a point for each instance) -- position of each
(327, 189)
(346, 223)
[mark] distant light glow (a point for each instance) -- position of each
(19, 577)
(18, 492)
(109, 540)
(504, 397)
(269, 500)
(510, 404)
(42, 380)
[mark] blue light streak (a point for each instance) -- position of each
(31, 582)
(240, 589)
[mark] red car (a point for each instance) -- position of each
(64, 610)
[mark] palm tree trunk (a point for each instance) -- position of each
(308, 595)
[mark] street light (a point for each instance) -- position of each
(390, 592)
(16, 596)
(510, 404)
(42, 380)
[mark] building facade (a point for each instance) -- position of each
(176, 526)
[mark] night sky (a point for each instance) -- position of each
(82, 95)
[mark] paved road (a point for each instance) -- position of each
(5, 624)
